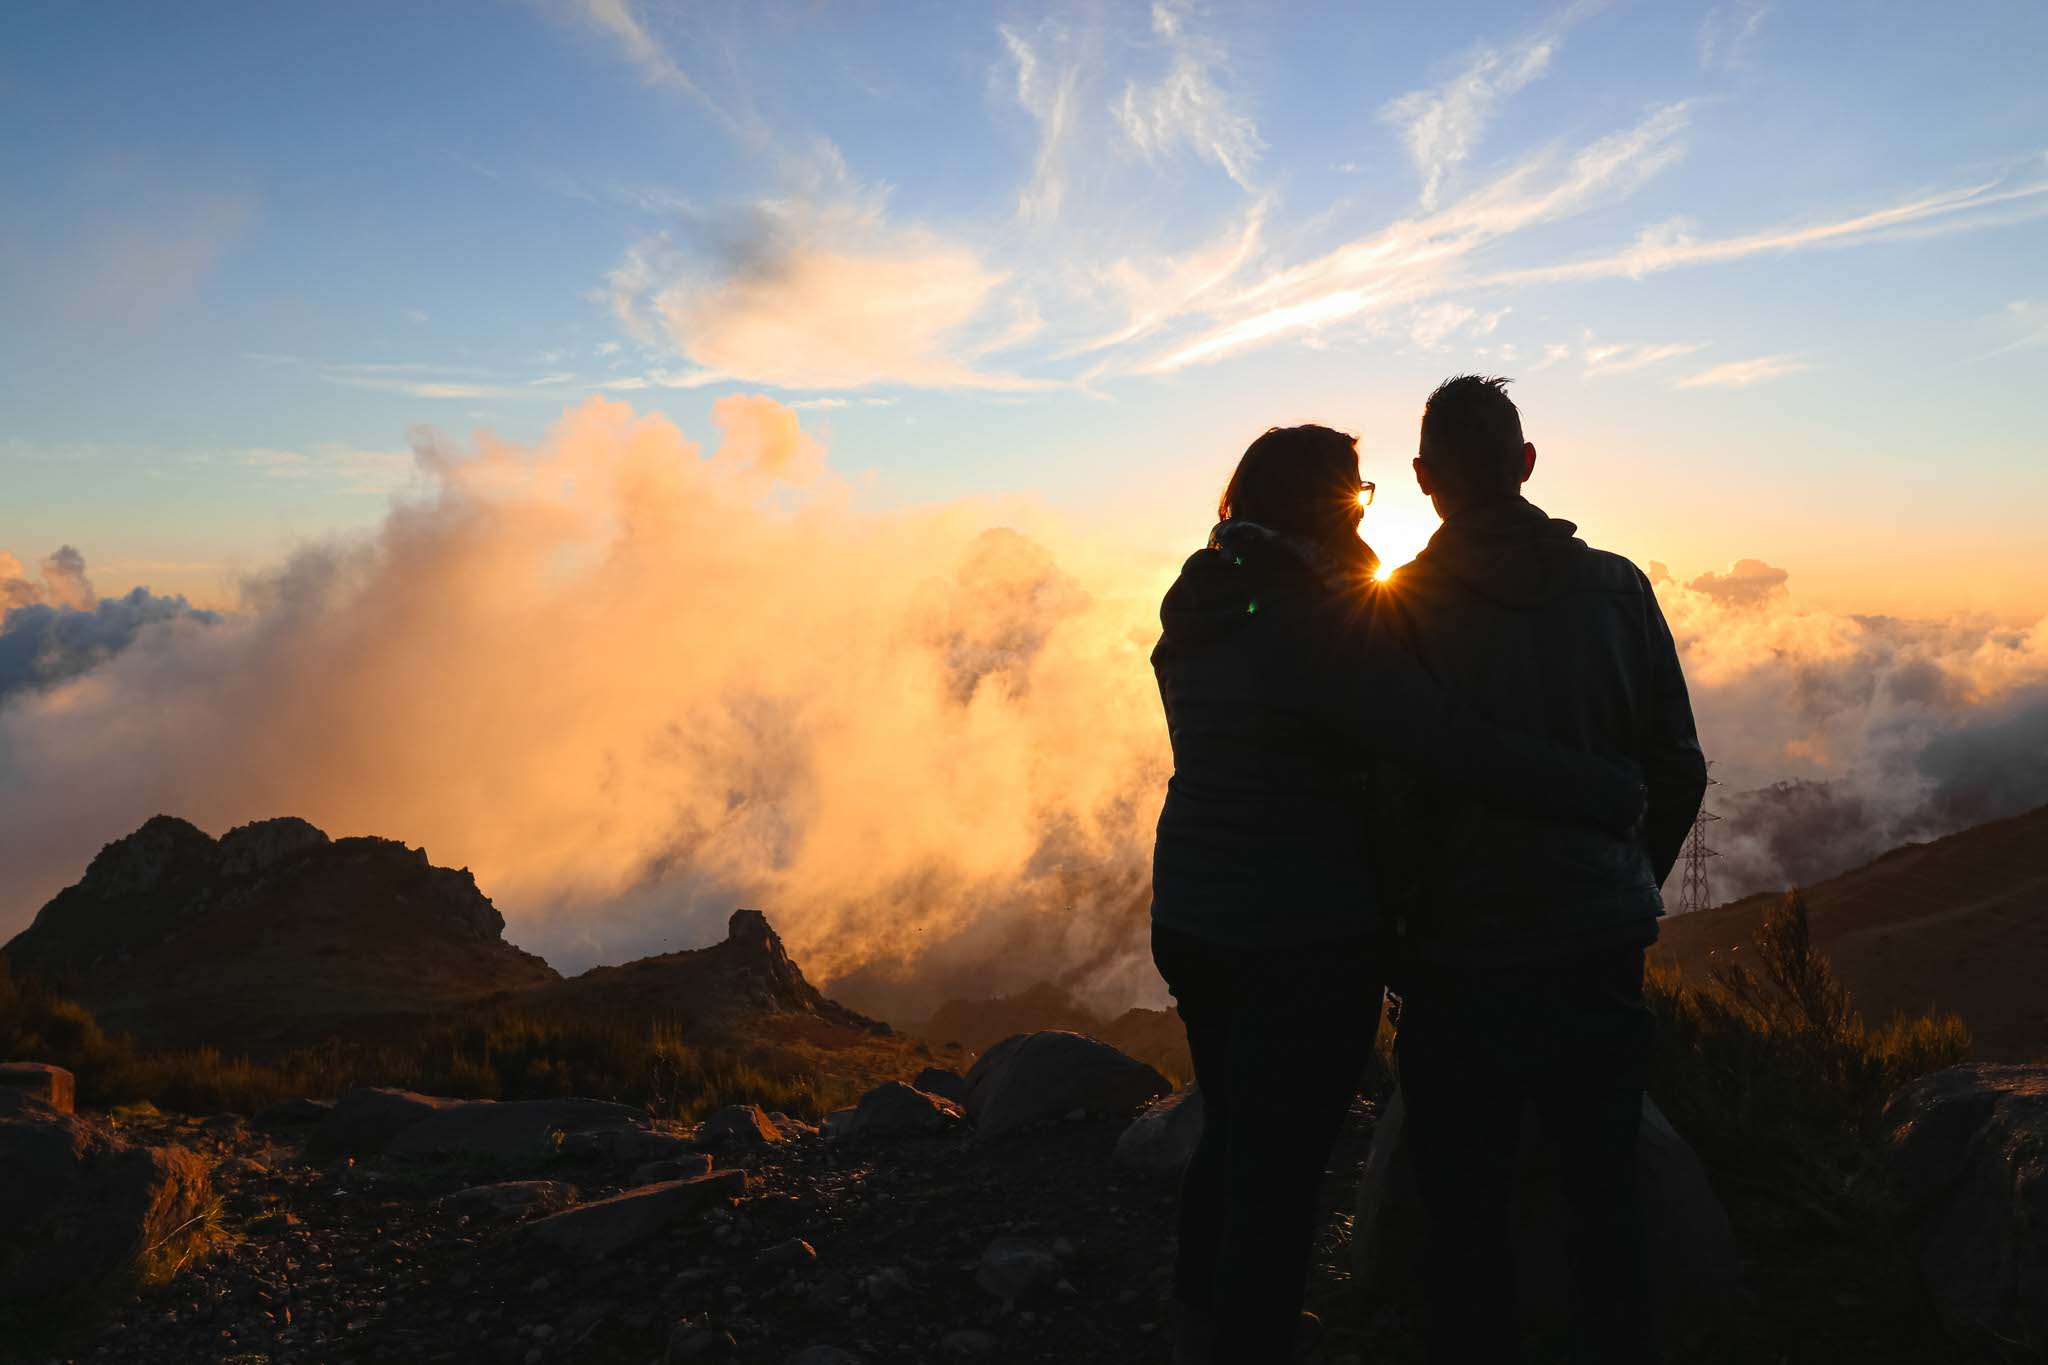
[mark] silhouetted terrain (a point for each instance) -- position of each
(1958, 924)
(1153, 1036)
(269, 936)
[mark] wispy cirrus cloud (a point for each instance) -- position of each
(1728, 30)
(340, 469)
(1442, 125)
(1188, 105)
(1612, 358)
(1421, 257)
(1740, 374)
(1668, 247)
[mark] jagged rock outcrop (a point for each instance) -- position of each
(272, 934)
(722, 993)
(1970, 1144)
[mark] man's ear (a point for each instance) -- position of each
(1528, 460)
(1422, 477)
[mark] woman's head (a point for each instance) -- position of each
(1302, 480)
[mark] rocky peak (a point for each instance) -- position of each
(273, 930)
(261, 843)
(165, 850)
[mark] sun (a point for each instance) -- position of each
(1383, 572)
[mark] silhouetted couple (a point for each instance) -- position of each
(1470, 781)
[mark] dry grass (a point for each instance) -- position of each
(503, 1053)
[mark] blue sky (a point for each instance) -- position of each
(1771, 276)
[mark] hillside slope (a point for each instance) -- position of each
(1957, 924)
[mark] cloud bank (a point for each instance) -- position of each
(632, 683)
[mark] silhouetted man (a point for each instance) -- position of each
(1525, 939)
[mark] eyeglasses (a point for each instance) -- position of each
(1365, 492)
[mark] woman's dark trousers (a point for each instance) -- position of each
(1478, 1046)
(1279, 1038)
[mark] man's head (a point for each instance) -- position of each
(1472, 449)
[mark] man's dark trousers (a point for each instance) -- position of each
(1476, 1046)
(1279, 1037)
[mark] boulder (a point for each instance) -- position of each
(514, 1135)
(1970, 1145)
(1030, 1077)
(1014, 1268)
(893, 1110)
(947, 1085)
(1693, 1261)
(367, 1119)
(823, 1355)
(87, 1215)
(299, 1113)
(604, 1226)
(645, 1140)
(839, 1123)
(738, 1126)
(510, 1199)
(1161, 1140)
(50, 1085)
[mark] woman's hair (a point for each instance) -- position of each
(1299, 479)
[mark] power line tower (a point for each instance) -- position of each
(1692, 886)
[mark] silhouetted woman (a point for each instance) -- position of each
(1266, 916)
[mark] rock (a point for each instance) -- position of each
(282, 1220)
(1694, 1266)
(599, 1228)
(516, 1134)
(510, 1198)
(50, 1085)
(1014, 1268)
(823, 1355)
(367, 1119)
(87, 1214)
(739, 1125)
(1030, 1077)
(839, 1123)
(1161, 1140)
(672, 1168)
(893, 1109)
(299, 1113)
(792, 1254)
(967, 1344)
(692, 1340)
(1970, 1146)
(947, 1085)
(647, 1140)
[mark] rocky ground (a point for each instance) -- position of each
(872, 1249)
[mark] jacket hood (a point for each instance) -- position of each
(1508, 551)
(1246, 566)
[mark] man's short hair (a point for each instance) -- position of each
(1472, 436)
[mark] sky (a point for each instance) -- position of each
(1772, 278)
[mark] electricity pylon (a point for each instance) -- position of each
(1692, 886)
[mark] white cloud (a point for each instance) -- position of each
(1049, 96)
(1187, 106)
(617, 18)
(1671, 245)
(819, 403)
(1740, 374)
(817, 294)
(1442, 125)
(1728, 30)
(1417, 258)
(1621, 358)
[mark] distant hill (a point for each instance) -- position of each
(1958, 924)
(273, 934)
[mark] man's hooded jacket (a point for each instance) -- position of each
(1508, 609)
